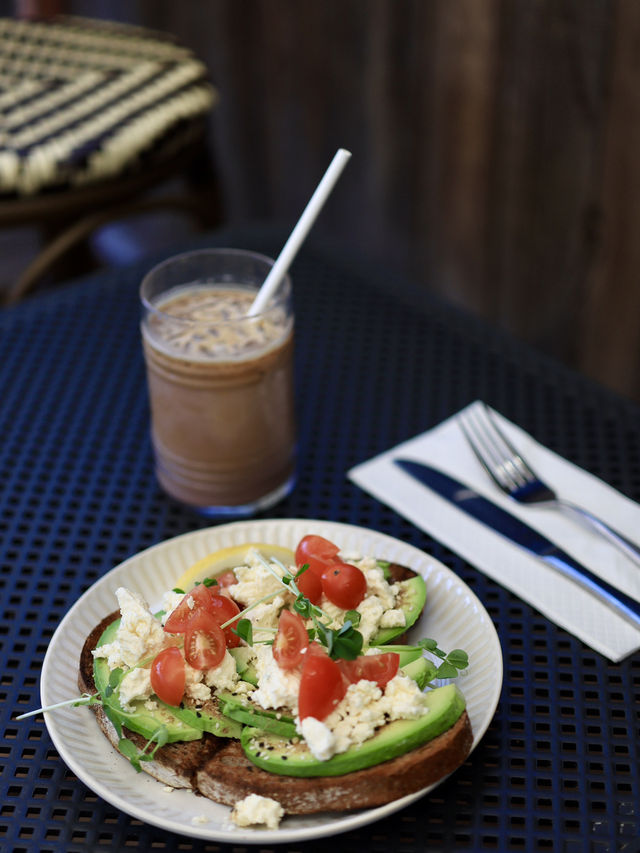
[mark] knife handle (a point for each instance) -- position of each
(624, 605)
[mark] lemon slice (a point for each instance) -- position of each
(228, 558)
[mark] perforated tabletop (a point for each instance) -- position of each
(377, 362)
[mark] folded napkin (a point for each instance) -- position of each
(558, 598)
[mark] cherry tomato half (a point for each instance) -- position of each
(290, 641)
(168, 677)
(344, 585)
(204, 599)
(204, 643)
(223, 608)
(310, 585)
(379, 668)
(317, 552)
(197, 599)
(321, 685)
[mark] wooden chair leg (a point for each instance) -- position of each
(79, 231)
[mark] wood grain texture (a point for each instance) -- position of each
(494, 147)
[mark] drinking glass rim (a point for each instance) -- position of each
(280, 298)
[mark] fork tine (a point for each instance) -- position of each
(495, 453)
(512, 455)
(482, 453)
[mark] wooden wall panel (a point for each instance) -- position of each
(610, 339)
(495, 146)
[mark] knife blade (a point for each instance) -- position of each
(530, 540)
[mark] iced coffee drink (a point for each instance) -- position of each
(220, 383)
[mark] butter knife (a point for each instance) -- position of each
(509, 526)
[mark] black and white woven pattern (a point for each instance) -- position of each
(83, 100)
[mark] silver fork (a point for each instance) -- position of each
(516, 478)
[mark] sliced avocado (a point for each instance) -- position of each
(209, 717)
(384, 565)
(421, 670)
(245, 711)
(244, 665)
(405, 653)
(288, 758)
(411, 599)
(143, 720)
(259, 721)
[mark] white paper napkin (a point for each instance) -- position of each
(560, 599)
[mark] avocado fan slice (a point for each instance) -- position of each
(290, 758)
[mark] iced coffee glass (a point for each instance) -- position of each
(220, 382)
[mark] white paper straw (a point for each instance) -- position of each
(299, 233)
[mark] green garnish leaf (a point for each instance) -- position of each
(244, 630)
(113, 718)
(178, 590)
(115, 677)
(446, 670)
(430, 646)
(303, 606)
(458, 658)
(129, 750)
(452, 663)
(210, 582)
(352, 616)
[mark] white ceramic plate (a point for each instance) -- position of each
(453, 616)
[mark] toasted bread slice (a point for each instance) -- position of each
(219, 769)
(229, 776)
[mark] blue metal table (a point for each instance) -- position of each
(377, 362)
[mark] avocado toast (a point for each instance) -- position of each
(228, 744)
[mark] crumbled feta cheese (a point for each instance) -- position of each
(199, 819)
(198, 691)
(393, 619)
(319, 737)
(277, 688)
(370, 610)
(139, 634)
(255, 810)
(377, 585)
(267, 614)
(363, 709)
(403, 699)
(254, 580)
(170, 600)
(224, 676)
(135, 684)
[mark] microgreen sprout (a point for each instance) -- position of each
(452, 662)
(85, 699)
(160, 737)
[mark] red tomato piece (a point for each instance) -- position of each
(344, 585)
(321, 685)
(225, 580)
(310, 585)
(198, 598)
(317, 552)
(223, 608)
(204, 644)
(168, 676)
(290, 641)
(379, 668)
